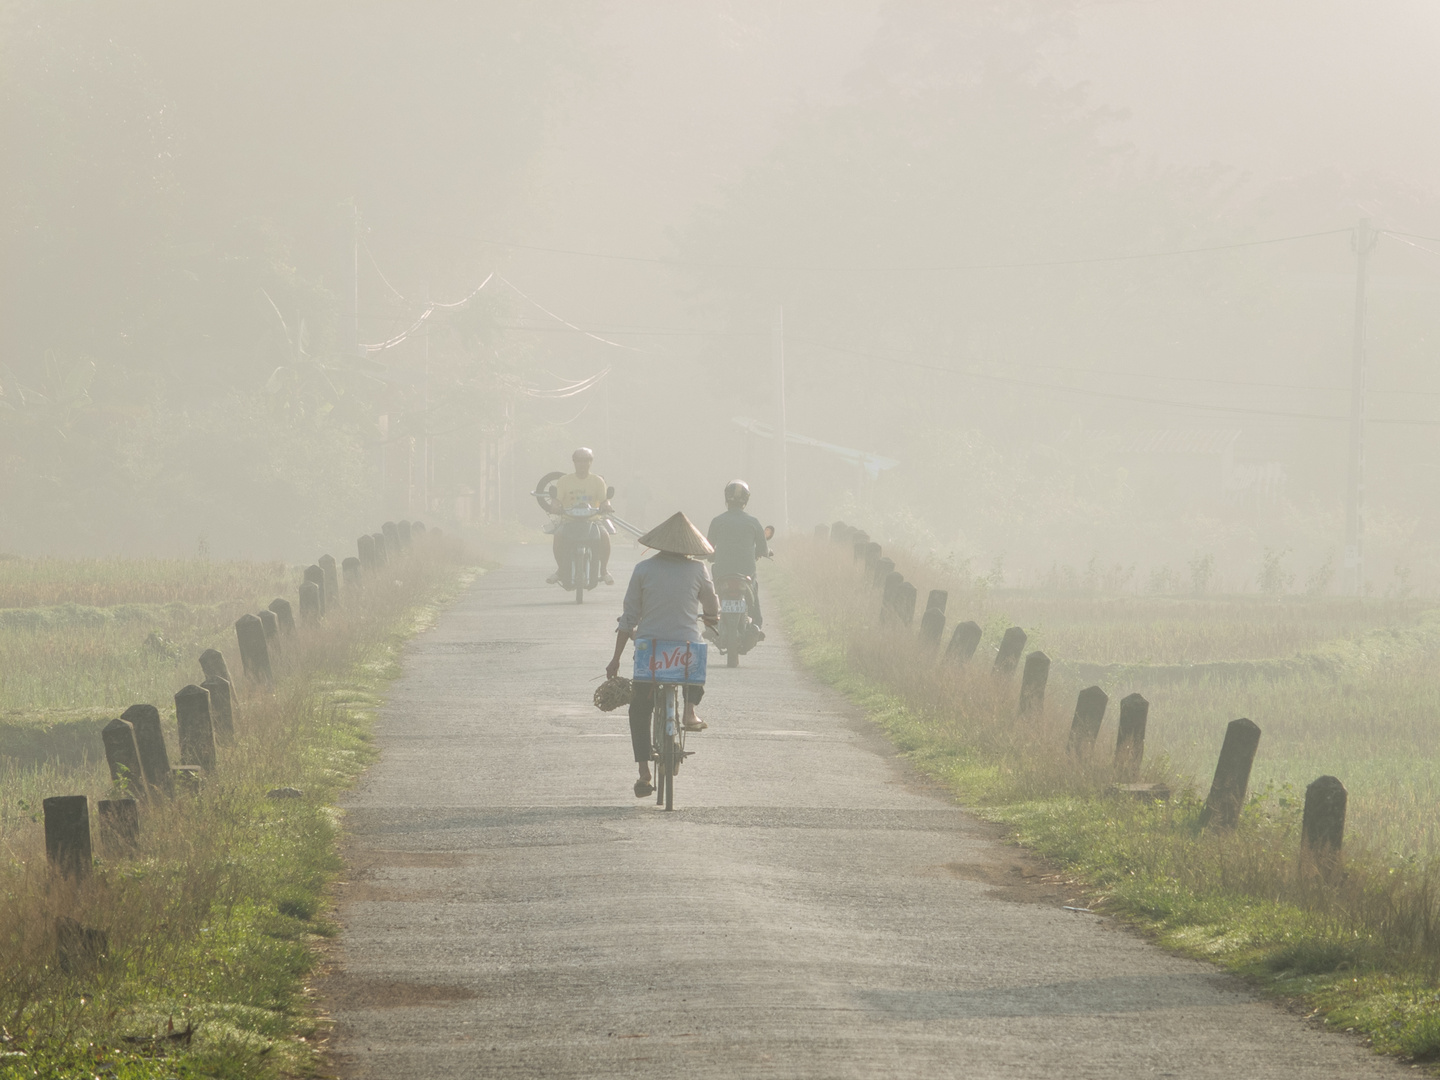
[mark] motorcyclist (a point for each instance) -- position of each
(570, 491)
(669, 596)
(739, 539)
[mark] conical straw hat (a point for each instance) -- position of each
(678, 534)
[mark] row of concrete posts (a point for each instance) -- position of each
(206, 713)
(1323, 821)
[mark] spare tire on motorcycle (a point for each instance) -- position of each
(542, 490)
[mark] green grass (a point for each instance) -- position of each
(1363, 947)
(219, 917)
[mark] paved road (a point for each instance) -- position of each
(810, 910)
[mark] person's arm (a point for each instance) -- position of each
(761, 548)
(709, 602)
(612, 669)
(627, 623)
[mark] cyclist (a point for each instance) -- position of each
(570, 491)
(669, 596)
(739, 539)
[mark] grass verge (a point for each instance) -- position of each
(1360, 945)
(212, 925)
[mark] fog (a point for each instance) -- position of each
(1076, 281)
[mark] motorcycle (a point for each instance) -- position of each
(580, 526)
(737, 633)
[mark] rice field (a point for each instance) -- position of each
(1338, 686)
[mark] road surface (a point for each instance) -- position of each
(810, 909)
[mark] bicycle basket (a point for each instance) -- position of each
(613, 693)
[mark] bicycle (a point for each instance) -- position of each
(671, 666)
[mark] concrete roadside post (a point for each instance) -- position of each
(890, 595)
(365, 546)
(963, 642)
(932, 628)
(285, 613)
(884, 567)
(254, 654)
(382, 552)
(1130, 742)
(270, 623)
(119, 821)
(905, 603)
(315, 575)
(212, 663)
(1322, 827)
(837, 531)
(350, 570)
(310, 604)
(150, 742)
(1007, 659)
(1032, 684)
(329, 568)
(67, 834)
(1232, 775)
(122, 754)
(1090, 706)
(197, 730)
(872, 556)
(391, 532)
(222, 709)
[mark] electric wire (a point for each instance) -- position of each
(431, 308)
(567, 322)
(1108, 395)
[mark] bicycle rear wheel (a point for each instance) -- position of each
(657, 744)
(674, 718)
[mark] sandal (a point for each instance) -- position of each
(695, 725)
(643, 788)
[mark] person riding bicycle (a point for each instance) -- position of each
(739, 539)
(581, 486)
(669, 596)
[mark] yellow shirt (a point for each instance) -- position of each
(570, 491)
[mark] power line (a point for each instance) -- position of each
(937, 268)
(567, 322)
(1109, 395)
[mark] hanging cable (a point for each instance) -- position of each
(380, 273)
(390, 343)
(567, 322)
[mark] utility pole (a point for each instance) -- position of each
(352, 284)
(425, 420)
(1364, 240)
(777, 346)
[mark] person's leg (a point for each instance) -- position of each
(603, 550)
(563, 548)
(693, 694)
(642, 702)
(755, 616)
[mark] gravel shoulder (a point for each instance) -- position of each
(809, 910)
